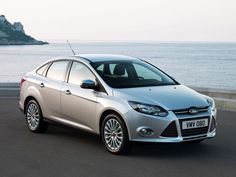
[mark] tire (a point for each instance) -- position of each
(34, 117)
(114, 135)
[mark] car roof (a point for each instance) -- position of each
(104, 57)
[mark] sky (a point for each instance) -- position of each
(125, 20)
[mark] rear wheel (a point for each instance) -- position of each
(34, 118)
(115, 135)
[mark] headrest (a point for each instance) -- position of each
(119, 70)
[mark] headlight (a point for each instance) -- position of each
(211, 103)
(148, 109)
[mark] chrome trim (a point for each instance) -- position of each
(186, 110)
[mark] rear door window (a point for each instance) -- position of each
(58, 70)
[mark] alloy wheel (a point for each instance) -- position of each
(113, 134)
(33, 116)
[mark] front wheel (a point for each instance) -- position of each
(34, 117)
(115, 135)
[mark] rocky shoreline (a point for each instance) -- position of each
(14, 34)
(22, 43)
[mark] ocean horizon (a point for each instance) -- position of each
(196, 64)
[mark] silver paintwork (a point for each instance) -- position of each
(83, 108)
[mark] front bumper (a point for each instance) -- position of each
(136, 121)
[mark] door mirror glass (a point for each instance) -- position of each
(88, 84)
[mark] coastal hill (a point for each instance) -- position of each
(14, 34)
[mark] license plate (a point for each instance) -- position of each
(194, 123)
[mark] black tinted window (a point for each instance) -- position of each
(57, 70)
(80, 72)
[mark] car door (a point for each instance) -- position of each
(78, 104)
(50, 87)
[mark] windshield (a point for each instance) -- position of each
(127, 74)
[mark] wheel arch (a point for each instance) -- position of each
(110, 111)
(29, 98)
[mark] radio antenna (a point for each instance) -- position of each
(70, 47)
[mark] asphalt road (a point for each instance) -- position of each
(68, 152)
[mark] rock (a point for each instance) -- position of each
(19, 27)
(2, 18)
(14, 34)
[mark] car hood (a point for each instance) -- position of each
(170, 97)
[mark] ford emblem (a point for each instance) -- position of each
(193, 111)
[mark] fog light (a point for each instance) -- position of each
(145, 132)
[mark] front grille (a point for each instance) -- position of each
(170, 131)
(194, 138)
(186, 111)
(194, 131)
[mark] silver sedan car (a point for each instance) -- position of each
(121, 98)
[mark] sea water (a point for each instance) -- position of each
(211, 65)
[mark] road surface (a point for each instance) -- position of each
(67, 152)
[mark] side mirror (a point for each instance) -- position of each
(88, 84)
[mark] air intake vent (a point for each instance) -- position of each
(170, 131)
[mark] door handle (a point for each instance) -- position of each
(67, 92)
(41, 85)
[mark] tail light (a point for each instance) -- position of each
(23, 79)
